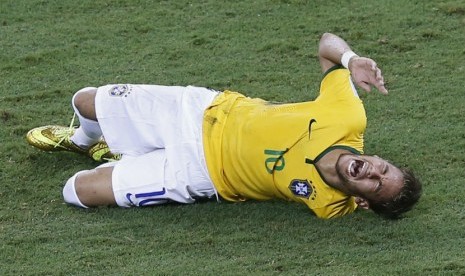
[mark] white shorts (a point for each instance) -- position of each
(158, 130)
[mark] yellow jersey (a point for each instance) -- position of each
(256, 149)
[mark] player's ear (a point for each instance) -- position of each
(362, 203)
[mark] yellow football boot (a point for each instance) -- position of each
(100, 152)
(57, 138)
(53, 138)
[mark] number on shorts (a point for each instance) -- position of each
(144, 199)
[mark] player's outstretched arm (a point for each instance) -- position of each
(365, 73)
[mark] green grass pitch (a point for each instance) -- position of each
(263, 48)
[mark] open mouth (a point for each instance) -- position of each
(356, 167)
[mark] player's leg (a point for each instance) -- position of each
(84, 102)
(89, 132)
(131, 182)
(177, 173)
(90, 188)
(84, 140)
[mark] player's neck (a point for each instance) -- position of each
(327, 168)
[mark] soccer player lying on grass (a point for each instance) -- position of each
(179, 144)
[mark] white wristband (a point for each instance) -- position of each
(346, 58)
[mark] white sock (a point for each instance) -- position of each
(81, 139)
(89, 131)
(69, 192)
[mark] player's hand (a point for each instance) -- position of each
(365, 74)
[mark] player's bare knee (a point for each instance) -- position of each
(84, 102)
(94, 187)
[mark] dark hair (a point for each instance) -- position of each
(404, 201)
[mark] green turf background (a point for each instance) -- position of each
(51, 48)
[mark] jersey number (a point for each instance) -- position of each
(275, 160)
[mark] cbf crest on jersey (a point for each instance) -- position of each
(301, 188)
(119, 90)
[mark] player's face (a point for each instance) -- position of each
(370, 177)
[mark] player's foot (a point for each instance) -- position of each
(100, 152)
(57, 138)
(53, 138)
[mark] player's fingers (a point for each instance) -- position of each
(378, 74)
(365, 86)
(380, 86)
(373, 65)
(380, 82)
(383, 90)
